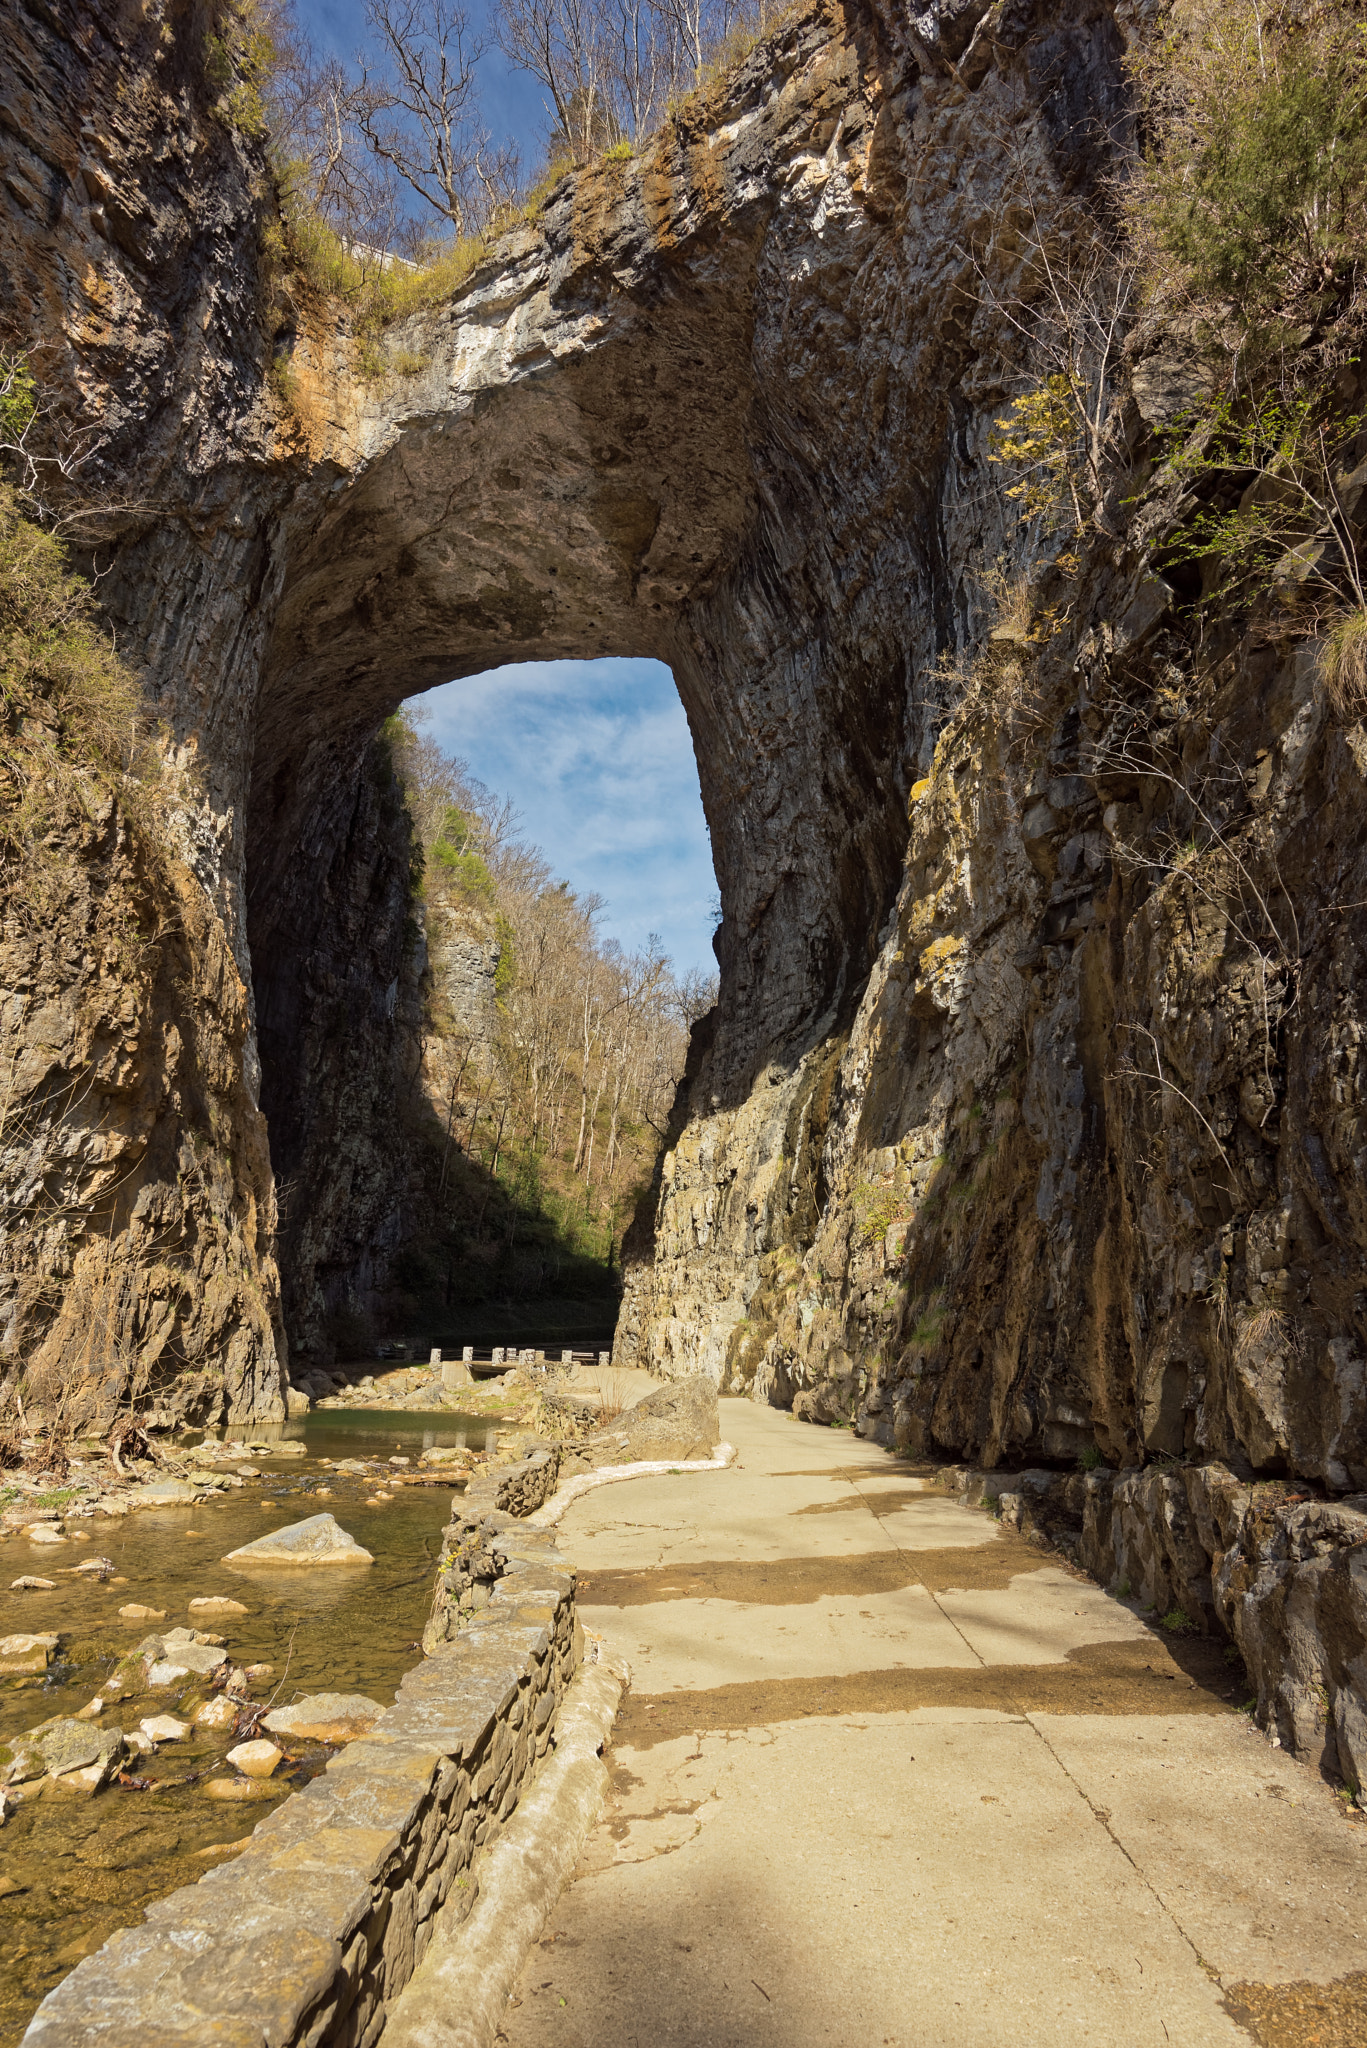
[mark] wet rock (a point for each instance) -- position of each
(164, 1728)
(32, 1585)
(179, 1655)
(216, 1603)
(68, 1746)
(326, 1717)
(133, 1612)
(21, 1761)
(25, 1654)
(216, 1713)
(96, 1567)
(165, 1492)
(45, 1532)
(238, 1789)
(256, 1759)
(317, 1541)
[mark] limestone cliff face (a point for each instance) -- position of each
(935, 1165)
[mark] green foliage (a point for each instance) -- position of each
(18, 397)
(1088, 1458)
(505, 972)
(620, 152)
(63, 689)
(1178, 1622)
(239, 58)
(302, 246)
(466, 872)
(926, 1335)
(1284, 456)
(1042, 440)
(876, 1209)
(461, 867)
(1255, 192)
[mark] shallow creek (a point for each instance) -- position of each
(73, 1868)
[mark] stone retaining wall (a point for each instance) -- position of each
(312, 1931)
(1283, 1575)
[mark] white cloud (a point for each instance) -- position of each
(598, 759)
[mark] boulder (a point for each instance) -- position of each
(133, 1612)
(219, 1712)
(178, 1655)
(96, 1567)
(317, 1541)
(255, 1759)
(240, 1788)
(45, 1532)
(164, 1728)
(22, 1655)
(68, 1746)
(162, 1493)
(216, 1603)
(679, 1422)
(32, 1585)
(20, 1761)
(326, 1717)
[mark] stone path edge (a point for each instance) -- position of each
(610, 1475)
(458, 1993)
(310, 1934)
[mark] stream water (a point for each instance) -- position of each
(74, 1868)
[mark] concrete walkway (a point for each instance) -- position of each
(889, 1777)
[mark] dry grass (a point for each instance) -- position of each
(612, 1397)
(1343, 665)
(1258, 1328)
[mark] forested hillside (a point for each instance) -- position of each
(548, 1062)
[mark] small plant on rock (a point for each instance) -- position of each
(1343, 664)
(1178, 1622)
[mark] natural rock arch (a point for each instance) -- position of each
(725, 404)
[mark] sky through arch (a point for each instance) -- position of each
(598, 759)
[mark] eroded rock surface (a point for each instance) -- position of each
(318, 1540)
(933, 1169)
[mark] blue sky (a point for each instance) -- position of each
(596, 755)
(511, 100)
(598, 759)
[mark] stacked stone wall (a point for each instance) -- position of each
(1283, 1576)
(313, 1931)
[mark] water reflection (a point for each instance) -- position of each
(72, 1868)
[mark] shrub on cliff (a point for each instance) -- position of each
(66, 696)
(1252, 196)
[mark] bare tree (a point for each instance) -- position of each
(564, 45)
(642, 47)
(419, 111)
